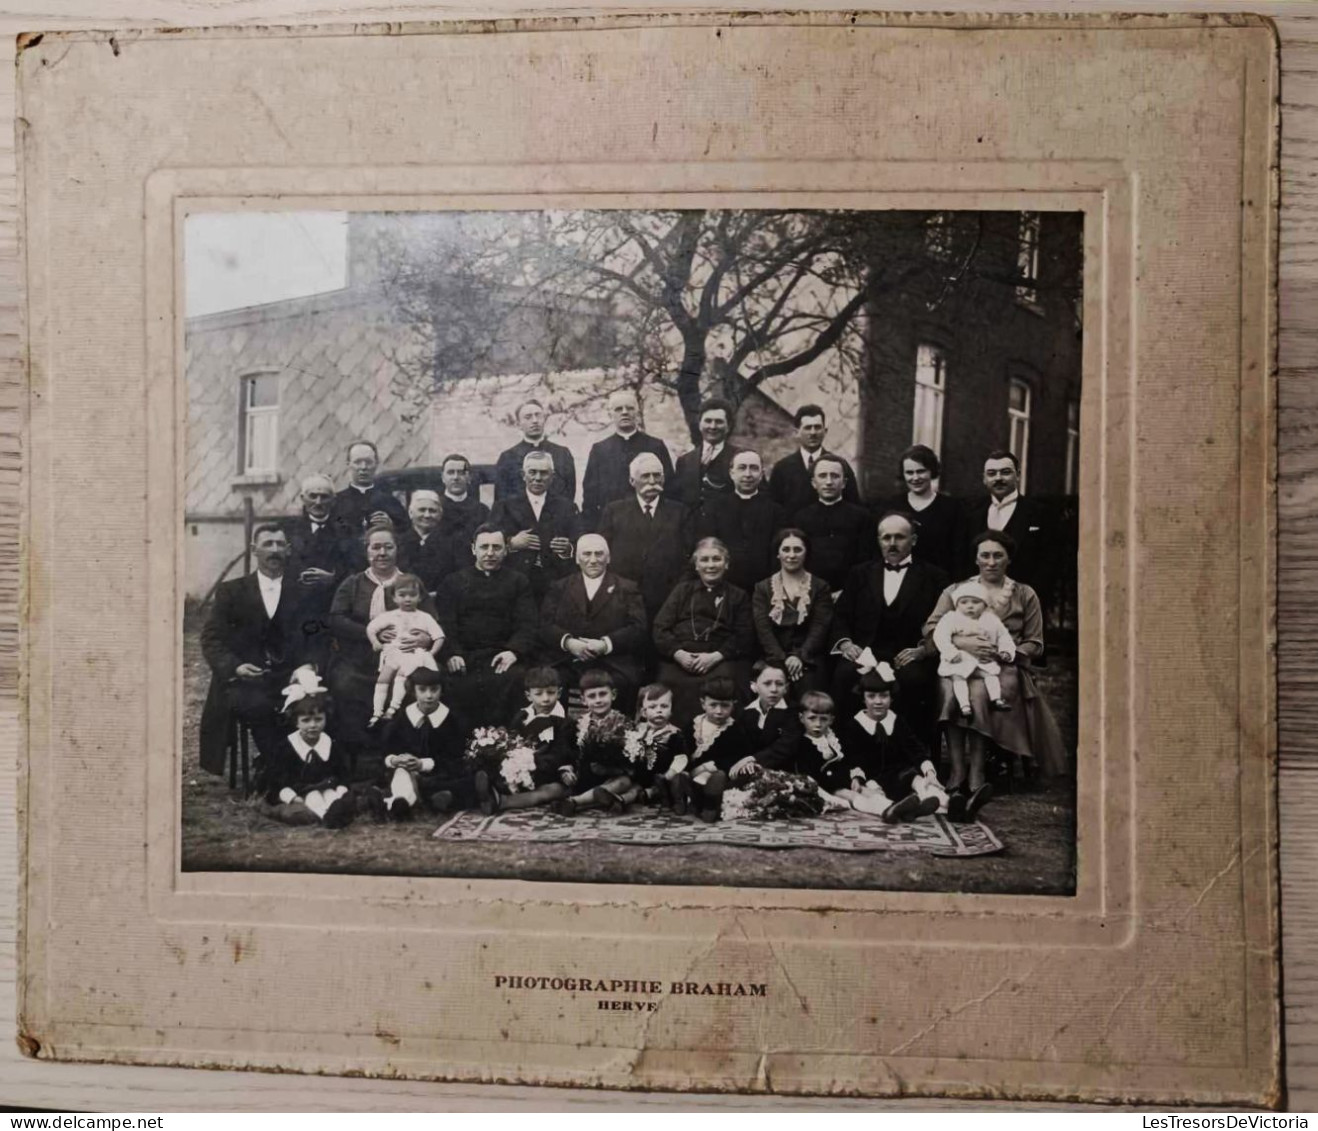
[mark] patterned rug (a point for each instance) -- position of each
(837, 832)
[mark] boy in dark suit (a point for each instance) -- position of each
(770, 729)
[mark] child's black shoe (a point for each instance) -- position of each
(978, 800)
(903, 810)
(956, 803)
(340, 812)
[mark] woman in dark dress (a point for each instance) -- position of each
(793, 610)
(936, 517)
(703, 630)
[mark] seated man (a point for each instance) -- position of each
(595, 619)
(490, 621)
(252, 640)
(883, 607)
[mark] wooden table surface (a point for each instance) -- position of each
(26, 1083)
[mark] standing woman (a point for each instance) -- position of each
(936, 517)
(354, 664)
(703, 630)
(1027, 727)
(793, 610)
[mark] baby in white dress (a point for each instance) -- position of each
(969, 626)
(402, 655)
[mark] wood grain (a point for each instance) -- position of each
(82, 1087)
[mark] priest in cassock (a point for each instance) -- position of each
(648, 534)
(541, 528)
(531, 419)
(608, 467)
(489, 622)
(745, 521)
(594, 618)
(704, 473)
(321, 549)
(425, 549)
(361, 503)
(463, 509)
(841, 533)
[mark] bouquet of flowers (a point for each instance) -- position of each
(503, 755)
(773, 795)
(602, 742)
(640, 747)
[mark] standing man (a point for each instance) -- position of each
(251, 642)
(424, 549)
(489, 620)
(608, 467)
(648, 534)
(320, 555)
(463, 509)
(508, 471)
(791, 480)
(361, 502)
(595, 619)
(704, 473)
(883, 607)
(841, 533)
(745, 521)
(541, 528)
(1028, 521)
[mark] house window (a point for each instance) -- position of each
(1072, 446)
(930, 390)
(1018, 420)
(1027, 260)
(259, 424)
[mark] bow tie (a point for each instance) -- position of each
(896, 568)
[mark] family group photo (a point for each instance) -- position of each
(702, 547)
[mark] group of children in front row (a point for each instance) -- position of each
(873, 762)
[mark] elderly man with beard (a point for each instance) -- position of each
(424, 548)
(648, 534)
(596, 619)
(745, 521)
(883, 608)
(489, 618)
(251, 641)
(320, 555)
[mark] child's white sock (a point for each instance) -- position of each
(993, 685)
(923, 787)
(381, 697)
(402, 788)
(400, 692)
(872, 801)
(961, 689)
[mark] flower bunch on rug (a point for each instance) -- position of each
(641, 747)
(500, 752)
(775, 795)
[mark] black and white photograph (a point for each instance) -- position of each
(731, 547)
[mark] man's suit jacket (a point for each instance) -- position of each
(695, 483)
(558, 519)
(867, 620)
(608, 469)
(508, 481)
(790, 486)
(330, 548)
(239, 631)
(616, 612)
(652, 552)
(461, 519)
(1033, 527)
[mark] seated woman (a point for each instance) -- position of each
(703, 630)
(354, 663)
(1027, 728)
(792, 611)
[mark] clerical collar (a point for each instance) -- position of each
(750, 496)
(831, 502)
(362, 490)
(534, 443)
(456, 498)
(625, 435)
(487, 572)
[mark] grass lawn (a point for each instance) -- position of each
(222, 832)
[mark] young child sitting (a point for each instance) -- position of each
(968, 626)
(603, 771)
(401, 656)
(820, 754)
(424, 746)
(900, 780)
(303, 782)
(717, 746)
(545, 724)
(770, 729)
(663, 744)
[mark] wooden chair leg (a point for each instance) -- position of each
(231, 754)
(247, 781)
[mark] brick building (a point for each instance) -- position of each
(983, 352)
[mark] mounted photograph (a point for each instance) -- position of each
(728, 547)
